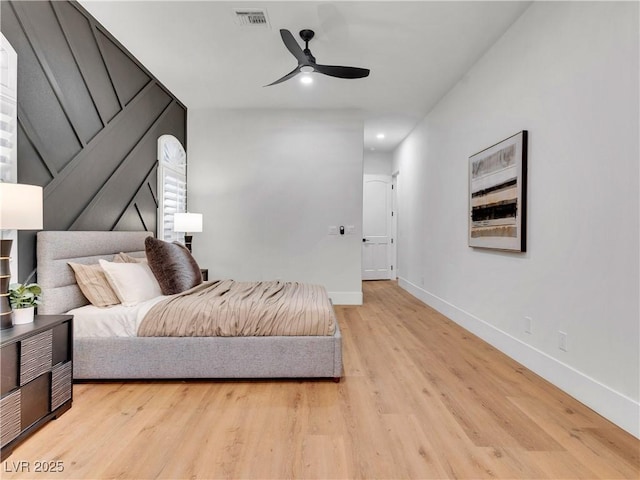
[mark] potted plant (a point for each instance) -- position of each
(23, 299)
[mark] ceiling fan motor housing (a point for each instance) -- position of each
(306, 34)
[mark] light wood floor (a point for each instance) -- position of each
(421, 398)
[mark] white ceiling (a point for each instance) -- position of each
(416, 51)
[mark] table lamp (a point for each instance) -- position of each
(20, 209)
(187, 223)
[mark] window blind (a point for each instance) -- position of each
(172, 186)
(174, 200)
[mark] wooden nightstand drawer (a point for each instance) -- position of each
(35, 357)
(61, 344)
(61, 384)
(9, 361)
(35, 400)
(10, 417)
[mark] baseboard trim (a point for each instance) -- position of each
(346, 298)
(614, 406)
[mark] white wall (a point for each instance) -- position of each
(377, 163)
(269, 184)
(567, 73)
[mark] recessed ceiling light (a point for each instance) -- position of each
(380, 136)
(306, 79)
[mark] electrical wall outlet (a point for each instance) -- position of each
(528, 325)
(562, 341)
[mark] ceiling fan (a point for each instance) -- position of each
(307, 62)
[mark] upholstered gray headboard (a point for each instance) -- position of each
(55, 249)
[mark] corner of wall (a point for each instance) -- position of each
(346, 298)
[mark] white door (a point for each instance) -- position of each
(376, 227)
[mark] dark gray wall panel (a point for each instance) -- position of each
(36, 98)
(175, 122)
(85, 48)
(142, 207)
(127, 78)
(89, 116)
(104, 155)
(143, 203)
(33, 170)
(41, 25)
(26, 254)
(130, 221)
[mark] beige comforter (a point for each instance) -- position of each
(228, 308)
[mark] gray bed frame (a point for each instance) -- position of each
(168, 357)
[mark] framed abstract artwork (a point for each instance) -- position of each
(498, 195)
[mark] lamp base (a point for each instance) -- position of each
(6, 314)
(187, 241)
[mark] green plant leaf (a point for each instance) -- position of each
(23, 296)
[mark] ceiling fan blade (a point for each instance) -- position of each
(289, 75)
(342, 72)
(292, 46)
(307, 62)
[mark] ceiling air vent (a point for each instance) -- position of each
(251, 17)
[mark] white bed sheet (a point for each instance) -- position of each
(114, 321)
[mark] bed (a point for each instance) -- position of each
(134, 357)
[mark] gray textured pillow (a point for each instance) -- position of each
(173, 266)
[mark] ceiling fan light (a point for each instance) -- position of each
(306, 79)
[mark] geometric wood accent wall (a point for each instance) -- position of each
(89, 116)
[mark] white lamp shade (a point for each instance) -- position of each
(20, 207)
(187, 222)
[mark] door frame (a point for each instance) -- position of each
(394, 225)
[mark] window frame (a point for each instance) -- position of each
(172, 179)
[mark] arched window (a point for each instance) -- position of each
(8, 112)
(172, 186)
(8, 134)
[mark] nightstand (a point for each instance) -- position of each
(37, 376)
(205, 274)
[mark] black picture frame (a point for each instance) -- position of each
(498, 195)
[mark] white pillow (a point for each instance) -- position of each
(132, 282)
